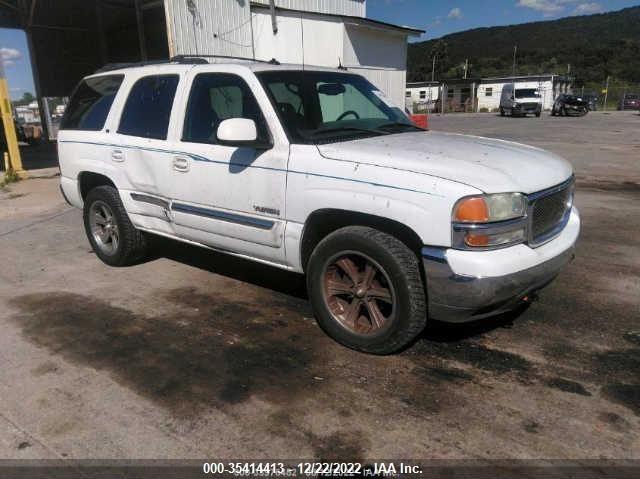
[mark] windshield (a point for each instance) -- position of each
(322, 107)
(527, 93)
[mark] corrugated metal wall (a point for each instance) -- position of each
(224, 27)
(356, 8)
(391, 82)
(209, 27)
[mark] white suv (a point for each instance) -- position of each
(316, 171)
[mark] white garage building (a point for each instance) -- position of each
(549, 87)
(328, 33)
(422, 96)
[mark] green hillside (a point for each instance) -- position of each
(594, 46)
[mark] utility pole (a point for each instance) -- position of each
(606, 95)
(433, 68)
(466, 67)
(513, 69)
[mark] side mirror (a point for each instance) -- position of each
(239, 132)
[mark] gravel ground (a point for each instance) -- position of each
(198, 355)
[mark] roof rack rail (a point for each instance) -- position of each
(192, 58)
(177, 59)
(184, 59)
(119, 66)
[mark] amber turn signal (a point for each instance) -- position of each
(472, 210)
(476, 240)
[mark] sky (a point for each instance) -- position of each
(440, 17)
(437, 17)
(14, 55)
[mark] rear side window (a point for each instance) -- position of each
(91, 102)
(148, 107)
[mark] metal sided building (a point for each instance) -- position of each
(422, 96)
(549, 87)
(328, 33)
(69, 39)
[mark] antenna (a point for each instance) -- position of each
(302, 34)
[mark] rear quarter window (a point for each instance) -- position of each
(91, 102)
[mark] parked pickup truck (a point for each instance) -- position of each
(317, 172)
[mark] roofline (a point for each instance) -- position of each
(377, 23)
(505, 79)
(525, 77)
(417, 84)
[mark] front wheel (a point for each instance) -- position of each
(366, 290)
(113, 237)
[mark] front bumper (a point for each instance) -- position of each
(527, 108)
(468, 285)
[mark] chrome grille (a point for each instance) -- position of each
(548, 212)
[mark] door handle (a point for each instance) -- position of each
(117, 155)
(180, 164)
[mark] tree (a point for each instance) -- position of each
(25, 100)
(439, 51)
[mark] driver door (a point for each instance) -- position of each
(228, 197)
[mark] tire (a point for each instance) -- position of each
(501, 111)
(116, 242)
(538, 113)
(395, 290)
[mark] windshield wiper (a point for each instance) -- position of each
(398, 124)
(347, 129)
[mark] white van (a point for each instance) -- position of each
(520, 101)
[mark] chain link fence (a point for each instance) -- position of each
(616, 96)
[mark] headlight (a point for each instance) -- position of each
(489, 221)
(489, 208)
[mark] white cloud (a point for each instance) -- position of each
(546, 7)
(588, 8)
(455, 13)
(8, 56)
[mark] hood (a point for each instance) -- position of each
(492, 166)
(531, 99)
(575, 101)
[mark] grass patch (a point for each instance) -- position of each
(10, 176)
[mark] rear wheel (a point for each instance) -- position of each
(501, 111)
(113, 237)
(366, 290)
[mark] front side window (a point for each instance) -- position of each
(320, 107)
(91, 102)
(216, 97)
(148, 108)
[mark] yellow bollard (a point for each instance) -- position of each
(9, 127)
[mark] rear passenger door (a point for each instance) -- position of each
(225, 196)
(139, 147)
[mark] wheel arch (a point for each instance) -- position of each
(323, 222)
(88, 180)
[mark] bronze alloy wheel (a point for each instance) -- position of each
(358, 293)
